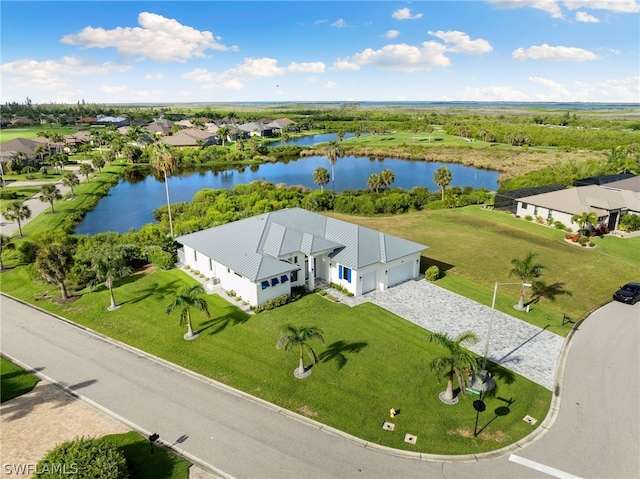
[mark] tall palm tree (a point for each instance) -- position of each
(16, 211)
(98, 163)
(54, 261)
(164, 160)
(5, 244)
(85, 169)
(49, 193)
(40, 150)
(109, 264)
(374, 182)
(70, 180)
(585, 219)
(292, 336)
(387, 177)
(525, 270)
(333, 152)
(457, 361)
(321, 177)
(442, 177)
(223, 134)
(186, 299)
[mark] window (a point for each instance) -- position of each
(274, 281)
(550, 215)
(295, 259)
(210, 265)
(284, 278)
(524, 206)
(294, 276)
(265, 284)
(195, 255)
(344, 273)
(535, 211)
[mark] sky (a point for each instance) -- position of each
(317, 51)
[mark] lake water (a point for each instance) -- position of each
(131, 205)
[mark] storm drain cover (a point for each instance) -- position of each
(411, 439)
(530, 420)
(388, 426)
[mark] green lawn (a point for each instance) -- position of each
(162, 464)
(14, 381)
(475, 247)
(31, 132)
(372, 361)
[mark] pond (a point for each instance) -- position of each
(131, 205)
(312, 140)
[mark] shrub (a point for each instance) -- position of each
(583, 241)
(231, 293)
(342, 289)
(84, 457)
(272, 303)
(162, 259)
(629, 222)
(432, 273)
(528, 217)
(568, 236)
(559, 225)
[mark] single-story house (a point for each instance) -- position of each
(607, 202)
(190, 138)
(17, 147)
(160, 127)
(257, 129)
(263, 257)
(280, 124)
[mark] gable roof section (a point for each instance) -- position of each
(255, 247)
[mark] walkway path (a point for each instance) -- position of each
(518, 346)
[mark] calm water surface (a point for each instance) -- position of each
(131, 205)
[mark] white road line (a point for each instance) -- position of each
(541, 467)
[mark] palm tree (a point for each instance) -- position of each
(387, 177)
(5, 244)
(54, 261)
(164, 160)
(134, 133)
(223, 134)
(40, 150)
(525, 270)
(70, 180)
(455, 362)
(109, 264)
(374, 182)
(333, 152)
(292, 336)
(284, 136)
(49, 193)
(584, 219)
(442, 177)
(186, 299)
(85, 169)
(429, 129)
(98, 163)
(321, 177)
(16, 211)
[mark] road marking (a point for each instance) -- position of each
(541, 467)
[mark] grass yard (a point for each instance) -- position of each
(14, 381)
(372, 361)
(475, 246)
(31, 132)
(162, 464)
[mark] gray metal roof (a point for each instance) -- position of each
(255, 247)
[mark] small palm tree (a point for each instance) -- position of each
(54, 261)
(49, 193)
(387, 177)
(223, 134)
(108, 266)
(374, 182)
(98, 163)
(70, 180)
(321, 177)
(186, 299)
(584, 219)
(455, 362)
(85, 169)
(292, 336)
(17, 212)
(442, 177)
(525, 270)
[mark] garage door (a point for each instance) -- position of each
(369, 281)
(400, 273)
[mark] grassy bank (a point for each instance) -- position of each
(372, 361)
(14, 381)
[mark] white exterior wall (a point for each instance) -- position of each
(413, 258)
(272, 292)
(564, 218)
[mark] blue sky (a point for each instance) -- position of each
(231, 51)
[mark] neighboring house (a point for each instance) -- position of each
(160, 127)
(262, 257)
(86, 121)
(280, 124)
(116, 121)
(190, 138)
(256, 129)
(609, 204)
(13, 148)
(234, 132)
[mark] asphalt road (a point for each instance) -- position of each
(596, 433)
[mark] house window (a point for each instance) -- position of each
(195, 255)
(210, 265)
(265, 284)
(550, 215)
(295, 259)
(284, 278)
(535, 211)
(274, 281)
(294, 276)
(344, 273)
(524, 206)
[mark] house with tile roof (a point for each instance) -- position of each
(609, 202)
(263, 257)
(191, 137)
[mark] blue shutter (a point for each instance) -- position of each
(348, 275)
(265, 284)
(340, 271)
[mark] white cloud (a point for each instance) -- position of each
(398, 56)
(551, 86)
(549, 6)
(586, 18)
(405, 14)
(306, 67)
(158, 38)
(330, 84)
(622, 6)
(339, 23)
(157, 76)
(461, 42)
(549, 53)
(392, 33)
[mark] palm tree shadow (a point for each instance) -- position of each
(221, 323)
(336, 351)
(145, 293)
(549, 291)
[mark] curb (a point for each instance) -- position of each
(545, 425)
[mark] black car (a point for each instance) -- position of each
(629, 293)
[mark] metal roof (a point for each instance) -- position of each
(256, 247)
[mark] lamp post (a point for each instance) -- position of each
(493, 308)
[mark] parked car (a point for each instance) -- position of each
(629, 293)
